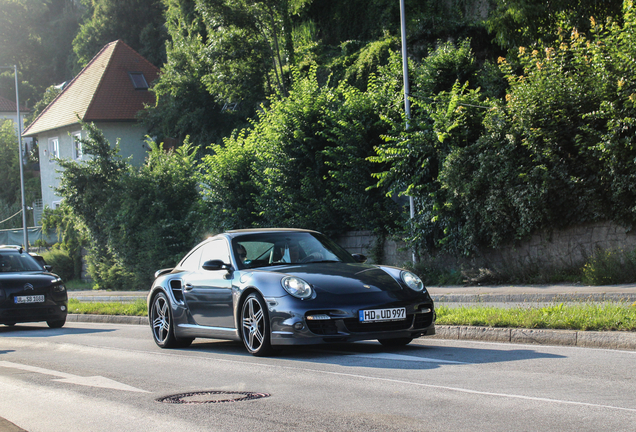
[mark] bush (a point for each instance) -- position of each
(609, 267)
(136, 219)
(61, 262)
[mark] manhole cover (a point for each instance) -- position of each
(213, 396)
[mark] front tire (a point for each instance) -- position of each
(255, 331)
(56, 324)
(163, 326)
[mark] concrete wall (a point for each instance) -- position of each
(561, 249)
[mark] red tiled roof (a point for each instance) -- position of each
(9, 106)
(102, 91)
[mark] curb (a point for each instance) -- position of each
(576, 338)
(534, 298)
(585, 339)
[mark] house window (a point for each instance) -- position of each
(139, 80)
(77, 145)
(54, 148)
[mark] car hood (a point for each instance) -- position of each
(342, 278)
(35, 278)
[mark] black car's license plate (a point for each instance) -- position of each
(28, 299)
(387, 314)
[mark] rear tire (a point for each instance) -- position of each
(397, 342)
(162, 324)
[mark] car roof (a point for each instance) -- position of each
(233, 233)
(11, 248)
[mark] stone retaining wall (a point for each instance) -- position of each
(562, 249)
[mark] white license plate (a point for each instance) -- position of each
(29, 299)
(388, 314)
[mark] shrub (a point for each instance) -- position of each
(608, 267)
(61, 262)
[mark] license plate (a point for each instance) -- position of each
(388, 314)
(29, 299)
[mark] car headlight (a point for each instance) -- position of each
(412, 281)
(297, 287)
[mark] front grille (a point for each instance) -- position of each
(355, 326)
(322, 327)
(423, 320)
(31, 313)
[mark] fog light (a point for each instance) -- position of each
(299, 326)
(62, 308)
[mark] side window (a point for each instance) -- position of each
(77, 145)
(215, 250)
(191, 262)
(54, 148)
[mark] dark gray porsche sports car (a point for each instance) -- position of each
(276, 287)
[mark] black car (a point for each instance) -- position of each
(28, 291)
(275, 287)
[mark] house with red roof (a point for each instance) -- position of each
(108, 92)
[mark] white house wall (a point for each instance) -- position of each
(132, 143)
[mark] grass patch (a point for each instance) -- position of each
(587, 316)
(136, 308)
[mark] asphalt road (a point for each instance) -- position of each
(109, 377)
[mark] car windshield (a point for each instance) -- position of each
(12, 262)
(275, 248)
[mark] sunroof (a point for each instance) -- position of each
(139, 80)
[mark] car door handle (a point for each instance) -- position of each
(188, 287)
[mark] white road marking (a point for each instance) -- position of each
(93, 381)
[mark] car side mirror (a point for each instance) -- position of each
(216, 265)
(48, 267)
(359, 258)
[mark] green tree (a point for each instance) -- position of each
(36, 36)
(223, 59)
(139, 23)
(516, 23)
(10, 193)
(136, 219)
(302, 164)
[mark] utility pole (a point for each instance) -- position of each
(25, 230)
(19, 121)
(407, 103)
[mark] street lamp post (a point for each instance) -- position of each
(19, 121)
(407, 103)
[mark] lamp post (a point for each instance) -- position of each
(407, 103)
(19, 121)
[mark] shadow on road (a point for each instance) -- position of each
(42, 330)
(412, 356)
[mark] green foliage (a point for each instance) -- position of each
(609, 267)
(139, 23)
(136, 219)
(516, 23)
(10, 193)
(557, 151)
(36, 36)
(9, 165)
(303, 164)
(62, 263)
(69, 231)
